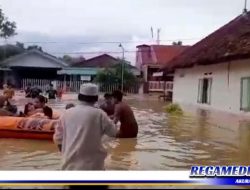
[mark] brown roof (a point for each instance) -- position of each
(230, 42)
(101, 61)
(165, 53)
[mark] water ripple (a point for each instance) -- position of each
(164, 142)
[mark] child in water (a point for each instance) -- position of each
(30, 111)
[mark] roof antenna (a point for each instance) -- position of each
(152, 32)
(245, 7)
(158, 36)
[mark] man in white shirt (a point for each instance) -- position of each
(80, 132)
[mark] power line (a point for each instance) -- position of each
(101, 42)
(102, 52)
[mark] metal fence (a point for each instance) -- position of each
(160, 86)
(74, 86)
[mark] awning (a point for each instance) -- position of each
(158, 74)
(78, 71)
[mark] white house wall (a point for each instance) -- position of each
(226, 84)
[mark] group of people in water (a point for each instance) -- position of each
(32, 92)
(36, 108)
(81, 127)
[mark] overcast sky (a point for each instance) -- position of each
(70, 23)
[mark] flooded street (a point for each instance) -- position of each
(164, 142)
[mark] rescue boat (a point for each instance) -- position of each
(27, 128)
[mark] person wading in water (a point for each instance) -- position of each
(80, 133)
(108, 106)
(124, 114)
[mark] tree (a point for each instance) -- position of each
(39, 48)
(113, 76)
(72, 60)
(20, 45)
(179, 43)
(67, 58)
(7, 28)
(8, 50)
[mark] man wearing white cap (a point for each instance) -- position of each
(80, 132)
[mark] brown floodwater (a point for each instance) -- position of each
(164, 142)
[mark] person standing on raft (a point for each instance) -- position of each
(80, 132)
(124, 114)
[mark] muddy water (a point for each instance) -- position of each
(164, 142)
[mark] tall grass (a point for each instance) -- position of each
(174, 109)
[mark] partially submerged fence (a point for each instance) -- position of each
(74, 86)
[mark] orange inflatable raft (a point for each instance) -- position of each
(27, 128)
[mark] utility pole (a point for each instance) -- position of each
(123, 59)
(245, 7)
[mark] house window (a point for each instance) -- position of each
(204, 91)
(245, 94)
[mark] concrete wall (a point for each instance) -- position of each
(226, 84)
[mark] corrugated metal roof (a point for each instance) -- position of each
(60, 63)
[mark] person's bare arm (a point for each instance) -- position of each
(117, 114)
(58, 135)
(40, 110)
(109, 128)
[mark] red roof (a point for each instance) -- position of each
(165, 53)
(159, 54)
(230, 42)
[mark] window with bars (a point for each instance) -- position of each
(245, 94)
(204, 91)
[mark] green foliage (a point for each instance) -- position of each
(67, 59)
(174, 109)
(7, 28)
(179, 43)
(20, 45)
(7, 51)
(34, 47)
(113, 75)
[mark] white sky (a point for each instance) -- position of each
(73, 21)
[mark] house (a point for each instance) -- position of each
(215, 72)
(88, 69)
(32, 64)
(101, 61)
(150, 59)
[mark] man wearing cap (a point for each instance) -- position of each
(80, 132)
